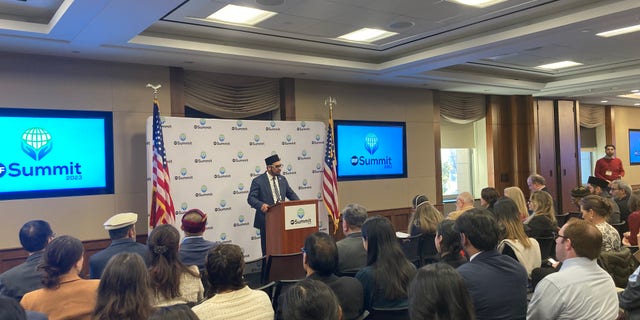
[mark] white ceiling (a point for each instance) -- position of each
(439, 45)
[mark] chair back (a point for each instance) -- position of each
(620, 227)
(547, 247)
(269, 289)
(281, 288)
(411, 247)
(284, 267)
(254, 272)
(389, 314)
(428, 252)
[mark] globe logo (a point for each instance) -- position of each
(318, 195)
(241, 186)
(318, 165)
(304, 182)
(203, 122)
(240, 154)
(223, 203)
(241, 218)
(239, 123)
(317, 137)
(273, 152)
(184, 206)
(257, 169)
(183, 137)
(304, 153)
(203, 188)
(272, 124)
(371, 143)
(222, 170)
(257, 232)
(223, 236)
(221, 138)
(289, 167)
(36, 143)
(183, 171)
(303, 124)
(300, 213)
(203, 154)
(256, 138)
(289, 138)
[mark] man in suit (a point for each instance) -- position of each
(351, 252)
(320, 261)
(15, 282)
(193, 249)
(497, 283)
(266, 190)
(581, 289)
(122, 232)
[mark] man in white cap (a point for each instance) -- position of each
(266, 190)
(122, 232)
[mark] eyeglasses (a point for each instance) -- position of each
(303, 250)
(277, 166)
(557, 235)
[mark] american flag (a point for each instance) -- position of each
(162, 210)
(330, 177)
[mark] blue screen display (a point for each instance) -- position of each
(49, 153)
(634, 146)
(370, 150)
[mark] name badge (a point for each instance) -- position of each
(608, 172)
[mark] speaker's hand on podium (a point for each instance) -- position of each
(264, 208)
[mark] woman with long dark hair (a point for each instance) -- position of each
(171, 281)
(448, 244)
(438, 292)
(124, 292)
(386, 277)
(65, 295)
(425, 216)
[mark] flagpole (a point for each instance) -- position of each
(330, 177)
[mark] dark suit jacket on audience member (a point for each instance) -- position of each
(540, 227)
(351, 253)
(497, 285)
(22, 278)
(98, 261)
(193, 251)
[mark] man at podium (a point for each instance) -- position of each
(266, 190)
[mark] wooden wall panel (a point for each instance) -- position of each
(569, 160)
(546, 142)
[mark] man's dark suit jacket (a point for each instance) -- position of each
(497, 285)
(98, 261)
(193, 251)
(260, 193)
(22, 278)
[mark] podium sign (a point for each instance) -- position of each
(300, 216)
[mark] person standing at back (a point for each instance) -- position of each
(609, 167)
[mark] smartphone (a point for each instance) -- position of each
(551, 261)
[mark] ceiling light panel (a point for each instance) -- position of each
(367, 35)
(559, 65)
(477, 3)
(617, 32)
(240, 15)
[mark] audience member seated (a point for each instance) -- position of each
(124, 291)
(464, 202)
(620, 192)
(515, 242)
(515, 194)
(537, 182)
(629, 299)
(438, 292)
(175, 312)
(311, 300)
(425, 216)
(631, 237)
(193, 249)
(448, 244)
(542, 223)
(600, 187)
(577, 194)
(15, 282)
(64, 295)
(122, 232)
(351, 252)
(581, 289)
(497, 284)
(171, 281)
(10, 309)
(320, 260)
(488, 197)
(386, 277)
(233, 298)
(596, 210)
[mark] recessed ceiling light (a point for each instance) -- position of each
(560, 65)
(604, 101)
(241, 15)
(635, 90)
(617, 32)
(477, 3)
(367, 35)
(402, 24)
(636, 104)
(630, 95)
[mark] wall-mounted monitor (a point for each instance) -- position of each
(370, 149)
(55, 153)
(634, 146)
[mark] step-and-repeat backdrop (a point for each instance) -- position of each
(212, 163)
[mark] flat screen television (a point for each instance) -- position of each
(55, 153)
(370, 149)
(634, 146)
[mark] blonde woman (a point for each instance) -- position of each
(515, 194)
(515, 242)
(542, 223)
(425, 217)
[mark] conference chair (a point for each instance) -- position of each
(269, 289)
(389, 314)
(619, 227)
(411, 247)
(281, 288)
(547, 247)
(428, 252)
(284, 267)
(254, 272)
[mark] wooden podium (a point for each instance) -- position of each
(289, 223)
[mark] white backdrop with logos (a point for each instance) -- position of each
(212, 163)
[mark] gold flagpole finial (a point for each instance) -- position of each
(330, 102)
(155, 89)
